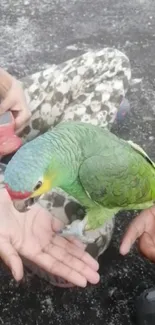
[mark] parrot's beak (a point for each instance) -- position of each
(25, 204)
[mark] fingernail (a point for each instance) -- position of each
(84, 284)
(95, 265)
(97, 279)
(124, 251)
(14, 274)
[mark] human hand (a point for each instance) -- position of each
(15, 101)
(143, 229)
(32, 235)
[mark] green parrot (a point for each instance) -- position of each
(104, 173)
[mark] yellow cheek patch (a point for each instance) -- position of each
(45, 187)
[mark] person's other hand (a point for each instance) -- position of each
(15, 101)
(32, 235)
(142, 228)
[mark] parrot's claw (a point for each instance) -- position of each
(76, 228)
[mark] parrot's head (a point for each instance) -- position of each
(33, 171)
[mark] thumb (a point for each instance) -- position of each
(57, 225)
(147, 246)
(21, 118)
(11, 258)
(135, 230)
(6, 105)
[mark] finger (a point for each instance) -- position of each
(11, 259)
(57, 268)
(6, 105)
(21, 119)
(76, 242)
(58, 225)
(61, 255)
(135, 230)
(75, 251)
(147, 246)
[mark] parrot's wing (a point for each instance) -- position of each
(141, 151)
(115, 180)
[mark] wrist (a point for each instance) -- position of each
(6, 81)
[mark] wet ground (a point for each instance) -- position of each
(36, 34)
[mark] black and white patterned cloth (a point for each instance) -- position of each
(89, 88)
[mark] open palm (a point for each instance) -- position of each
(32, 235)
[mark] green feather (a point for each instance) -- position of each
(104, 173)
(114, 174)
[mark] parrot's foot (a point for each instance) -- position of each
(77, 229)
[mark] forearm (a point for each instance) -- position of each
(5, 82)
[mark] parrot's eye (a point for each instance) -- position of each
(38, 186)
